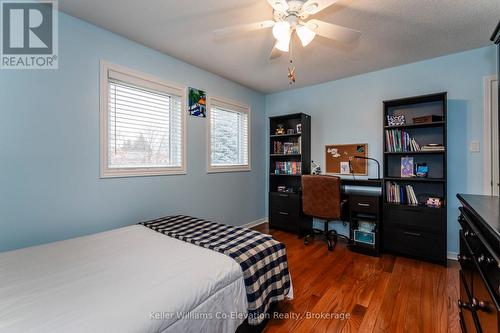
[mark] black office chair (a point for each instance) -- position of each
(321, 198)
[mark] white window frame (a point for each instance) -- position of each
(490, 146)
(236, 106)
(155, 84)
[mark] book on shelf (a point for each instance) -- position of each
(288, 168)
(400, 141)
(407, 169)
(433, 147)
(401, 194)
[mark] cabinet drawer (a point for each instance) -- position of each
(285, 204)
(364, 204)
(420, 218)
(419, 244)
(283, 220)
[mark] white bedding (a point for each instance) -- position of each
(131, 279)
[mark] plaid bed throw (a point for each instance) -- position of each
(262, 259)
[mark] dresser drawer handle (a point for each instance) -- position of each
(464, 305)
(415, 234)
(363, 204)
(485, 259)
(284, 195)
(283, 213)
(479, 305)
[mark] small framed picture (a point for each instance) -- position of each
(299, 128)
(197, 100)
(345, 169)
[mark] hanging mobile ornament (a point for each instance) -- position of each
(292, 76)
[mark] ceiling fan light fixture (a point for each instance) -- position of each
(283, 44)
(281, 30)
(311, 8)
(280, 5)
(305, 34)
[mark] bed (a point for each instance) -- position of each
(132, 279)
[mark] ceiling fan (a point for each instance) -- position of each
(291, 17)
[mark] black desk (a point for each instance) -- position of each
(364, 207)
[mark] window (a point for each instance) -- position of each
(229, 143)
(142, 125)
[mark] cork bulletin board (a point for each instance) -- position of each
(337, 159)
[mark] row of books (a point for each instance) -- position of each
(286, 148)
(288, 168)
(400, 141)
(401, 194)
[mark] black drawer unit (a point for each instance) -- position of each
(285, 202)
(285, 213)
(418, 232)
(365, 215)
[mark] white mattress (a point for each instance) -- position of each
(131, 279)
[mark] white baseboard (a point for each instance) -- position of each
(452, 255)
(256, 223)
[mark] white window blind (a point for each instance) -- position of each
(229, 136)
(144, 126)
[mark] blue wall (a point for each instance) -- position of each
(49, 148)
(350, 110)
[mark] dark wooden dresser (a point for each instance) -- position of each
(479, 260)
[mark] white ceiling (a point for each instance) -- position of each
(394, 32)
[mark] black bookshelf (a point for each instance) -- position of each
(285, 169)
(416, 230)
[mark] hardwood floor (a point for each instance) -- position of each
(387, 294)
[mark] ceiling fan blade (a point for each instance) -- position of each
(275, 53)
(333, 31)
(242, 28)
(315, 6)
(279, 5)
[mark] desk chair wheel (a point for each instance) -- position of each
(329, 236)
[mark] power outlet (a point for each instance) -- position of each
(475, 147)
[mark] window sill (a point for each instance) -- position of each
(123, 173)
(212, 169)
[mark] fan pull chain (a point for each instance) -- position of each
(292, 76)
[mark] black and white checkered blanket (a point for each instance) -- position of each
(262, 259)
